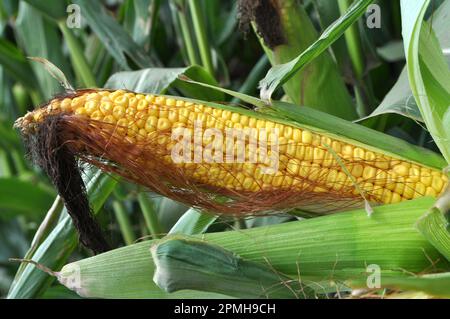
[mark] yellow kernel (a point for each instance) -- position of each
(277, 179)
(437, 183)
(226, 115)
(141, 135)
(300, 152)
(260, 124)
(297, 135)
(248, 183)
(287, 181)
(118, 112)
(293, 166)
(244, 120)
(121, 100)
(381, 177)
(358, 153)
(309, 153)
(414, 173)
(288, 132)
(171, 102)
(163, 124)
(367, 187)
(386, 197)
(307, 137)
(77, 102)
(341, 178)
(420, 190)
(425, 178)
(133, 102)
(106, 107)
(382, 163)
(336, 146)
(173, 116)
(370, 156)
(130, 112)
(408, 192)
(429, 191)
(93, 96)
(316, 140)
(142, 105)
(291, 148)
(109, 119)
(97, 115)
(357, 170)
(66, 104)
(347, 151)
(396, 198)
(401, 169)
(318, 154)
(160, 100)
(399, 185)
(150, 98)
(81, 111)
(369, 172)
(304, 169)
(235, 117)
(151, 123)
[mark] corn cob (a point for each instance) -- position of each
(310, 163)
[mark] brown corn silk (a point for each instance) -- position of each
(129, 134)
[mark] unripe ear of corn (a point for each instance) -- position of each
(316, 172)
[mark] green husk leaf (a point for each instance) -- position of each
(436, 228)
(324, 249)
(192, 264)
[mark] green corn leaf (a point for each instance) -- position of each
(55, 9)
(59, 244)
(400, 98)
(154, 80)
(193, 222)
(428, 72)
(280, 74)
(16, 65)
(36, 35)
(115, 39)
(319, 85)
(37, 201)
